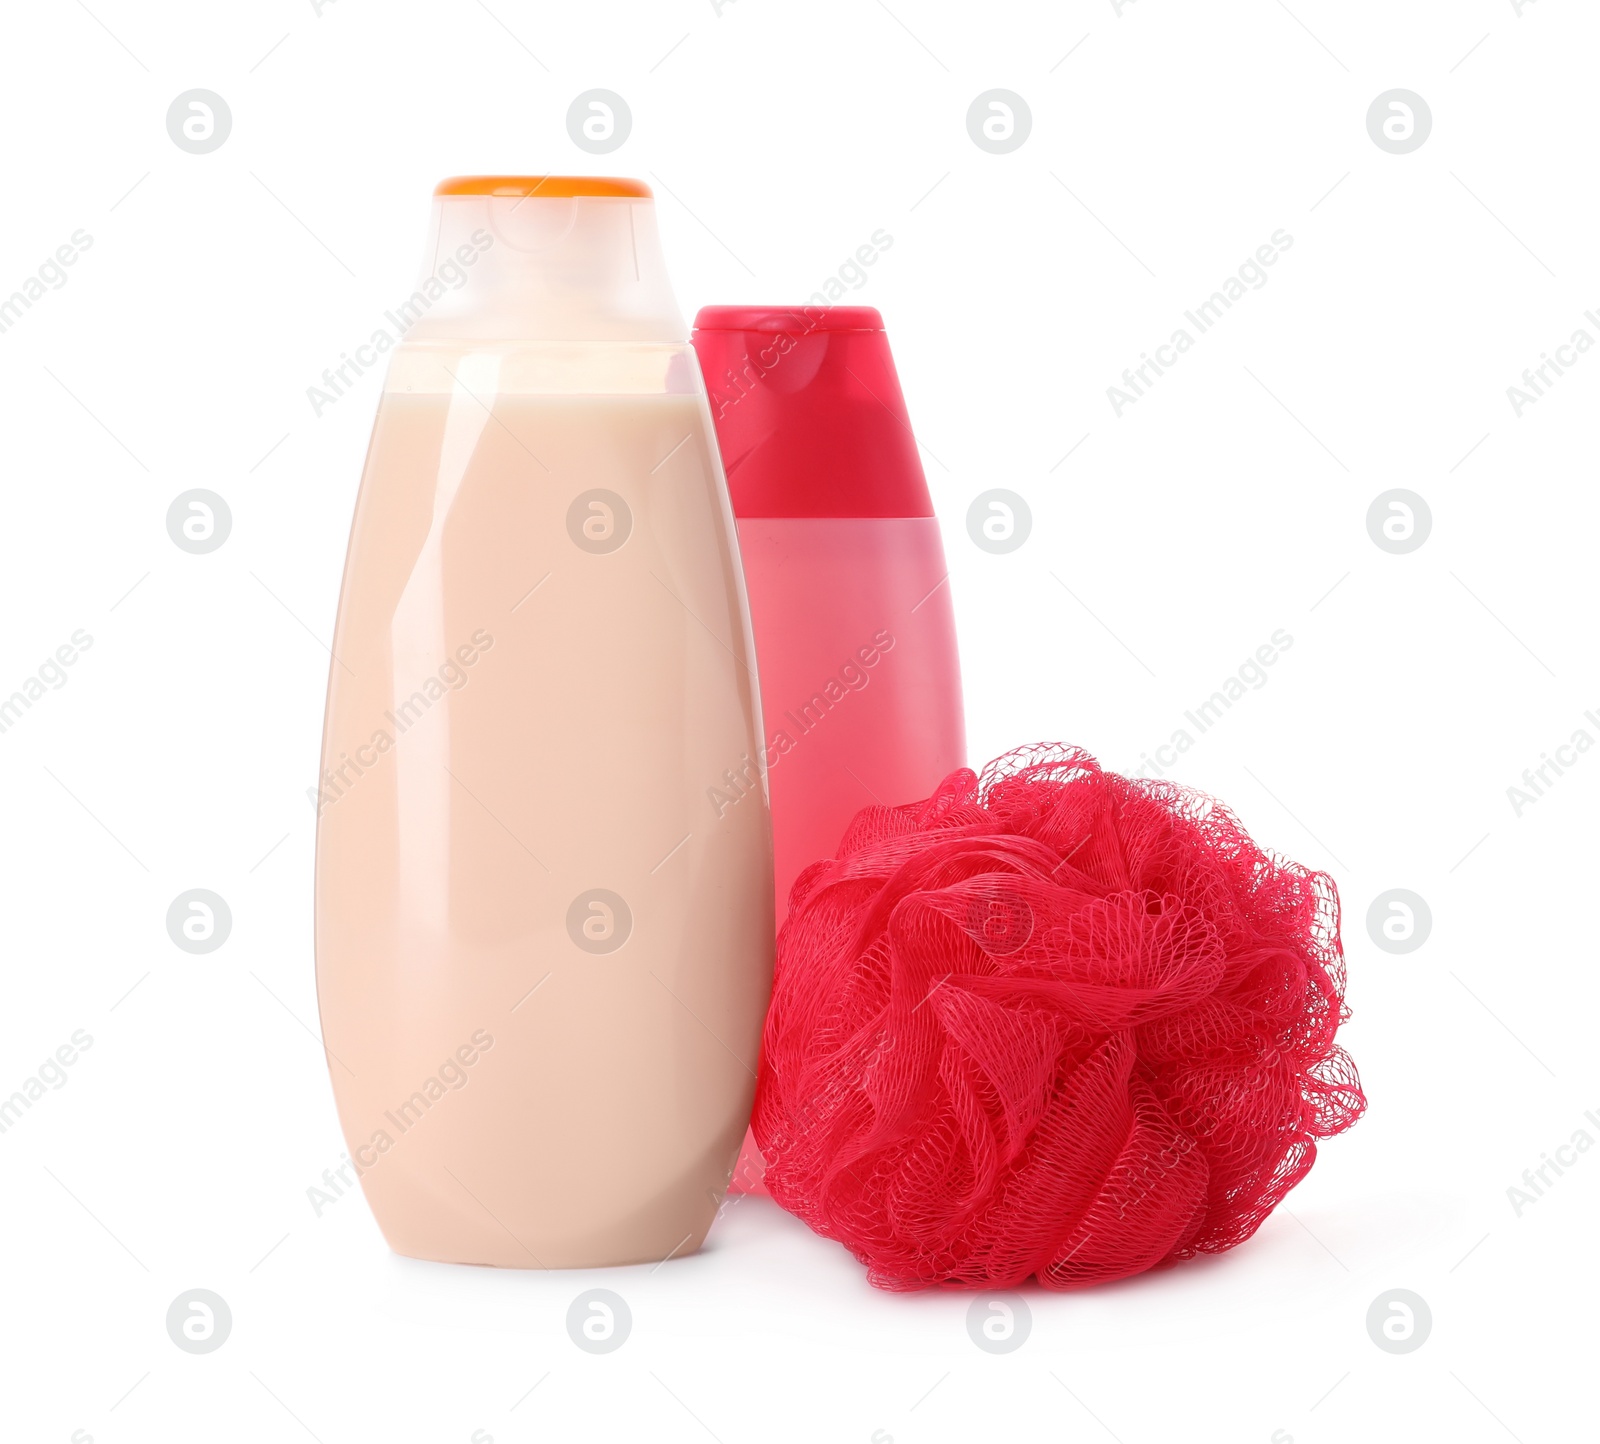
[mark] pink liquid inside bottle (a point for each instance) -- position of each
(849, 594)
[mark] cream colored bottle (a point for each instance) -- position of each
(544, 938)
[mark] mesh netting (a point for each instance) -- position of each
(1053, 1022)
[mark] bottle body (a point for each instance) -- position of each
(543, 956)
(860, 684)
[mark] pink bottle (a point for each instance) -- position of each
(849, 594)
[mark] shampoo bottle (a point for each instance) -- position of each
(543, 951)
(849, 594)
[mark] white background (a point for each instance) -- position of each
(1168, 142)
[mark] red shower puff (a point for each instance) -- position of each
(1052, 1022)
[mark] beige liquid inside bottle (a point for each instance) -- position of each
(543, 957)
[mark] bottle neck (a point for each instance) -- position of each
(508, 268)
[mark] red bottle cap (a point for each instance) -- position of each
(808, 412)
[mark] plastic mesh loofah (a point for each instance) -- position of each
(1052, 1022)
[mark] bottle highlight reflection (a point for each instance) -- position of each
(543, 951)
